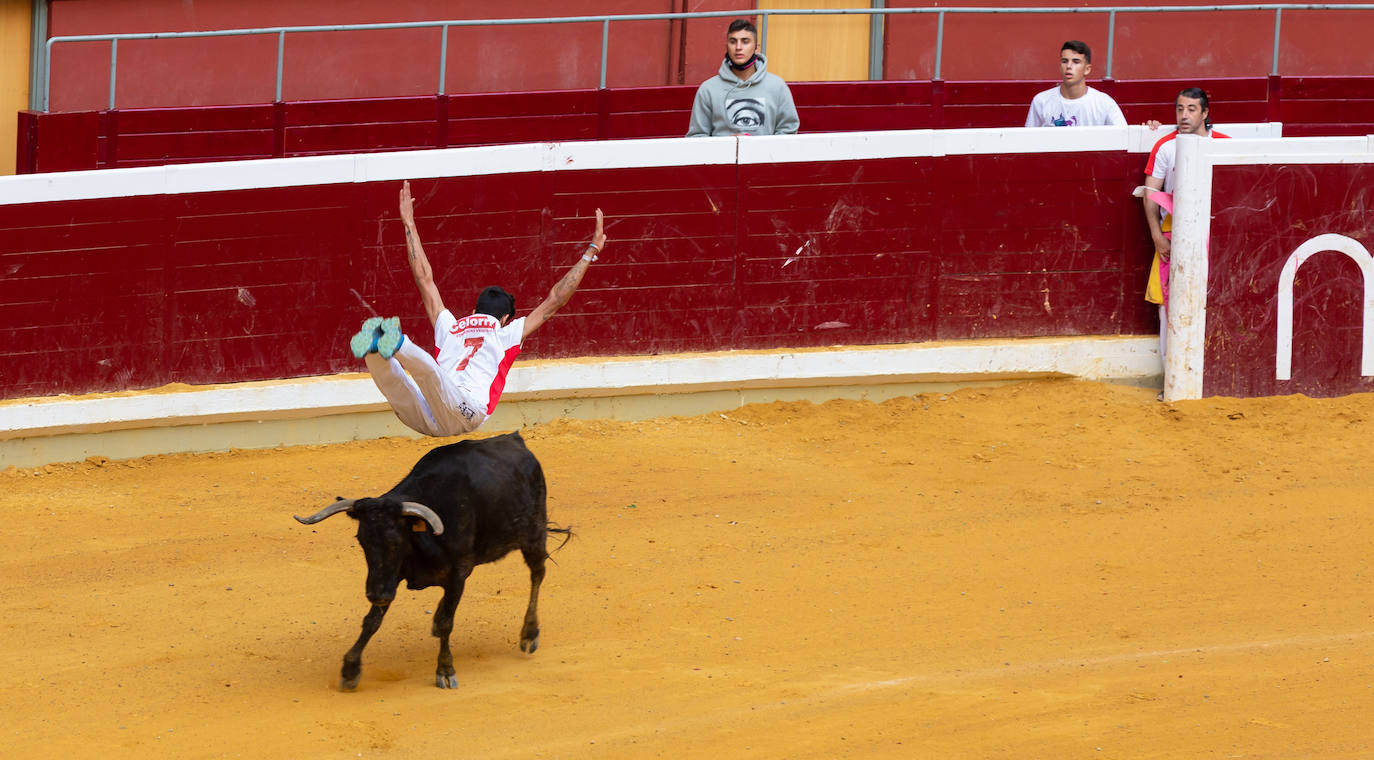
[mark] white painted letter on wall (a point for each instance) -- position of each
(1283, 355)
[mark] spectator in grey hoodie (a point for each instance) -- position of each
(743, 99)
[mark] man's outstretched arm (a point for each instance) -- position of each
(419, 265)
(564, 289)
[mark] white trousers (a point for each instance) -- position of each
(425, 398)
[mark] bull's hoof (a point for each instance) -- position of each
(449, 681)
(529, 645)
(349, 674)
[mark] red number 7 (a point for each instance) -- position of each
(473, 345)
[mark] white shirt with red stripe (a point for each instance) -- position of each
(1164, 156)
(477, 352)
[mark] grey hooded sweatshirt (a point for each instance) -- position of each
(759, 105)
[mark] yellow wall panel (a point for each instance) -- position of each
(817, 48)
(16, 18)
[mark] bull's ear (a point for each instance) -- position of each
(416, 509)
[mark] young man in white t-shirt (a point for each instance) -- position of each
(1073, 103)
(454, 392)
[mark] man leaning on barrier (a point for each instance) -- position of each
(1192, 114)
(743, 98)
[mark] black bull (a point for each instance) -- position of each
(462, 505)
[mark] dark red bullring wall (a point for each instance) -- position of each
(1261, 215)
(254, 284)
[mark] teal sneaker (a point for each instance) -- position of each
(365, 341)
(391, 339)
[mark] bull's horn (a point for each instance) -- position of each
(329, 511)
(416, 509)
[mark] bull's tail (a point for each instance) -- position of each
(567, 534)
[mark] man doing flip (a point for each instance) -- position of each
(453, 393)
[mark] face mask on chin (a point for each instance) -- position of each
(742, 66)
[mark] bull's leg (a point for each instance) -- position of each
(445, 677)
(529, 632)
(353, 660)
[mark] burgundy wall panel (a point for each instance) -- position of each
(668, 268)
(858, 117)
(1234, 43)
(520, 104)
(1261, 215)
(646, 112)
(145, 137)
(59, 142)
(188, 72)
(89, 140)
(1234, 99)
(1327, 106)
(521, 129)
(366, 64)
(1043, 251)
(163, 148)
(251, 276)
(383, 110)
(333, 139)
(803, 225)
(84, 327)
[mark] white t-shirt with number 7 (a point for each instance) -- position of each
(478, 352)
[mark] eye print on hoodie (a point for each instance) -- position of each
(745, 113)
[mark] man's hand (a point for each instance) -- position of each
(1162, 246)
(599, 237)
(1153, 124)
(565, 287)
(407, 205)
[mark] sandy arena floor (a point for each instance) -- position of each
(1053, 569)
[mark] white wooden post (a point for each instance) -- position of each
(1187, 312)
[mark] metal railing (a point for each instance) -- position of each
(875, 14)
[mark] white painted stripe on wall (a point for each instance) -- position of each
(1092, 358)
(1032, 140)
(96, 183)
(1290, 157)
(610, 154)
(634, 154)
(264, 172)
(1231, 151)
(450, 162)
(838, 146)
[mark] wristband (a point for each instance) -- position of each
(588, 257)
(591, 256)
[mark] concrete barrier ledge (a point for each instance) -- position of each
(537, 390)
